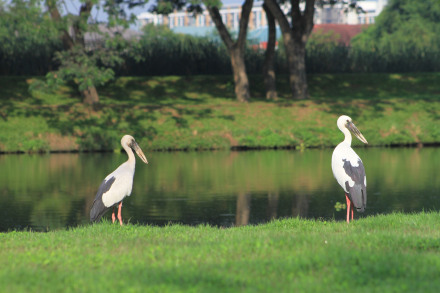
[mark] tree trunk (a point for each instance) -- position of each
(90, 96)
(297, 69)
(240, 77)
(295, 36)
(268, 65)
(236, 49)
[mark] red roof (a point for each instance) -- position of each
(345, 31)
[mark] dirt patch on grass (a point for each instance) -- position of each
(232, 140)
(58, 142)
(303, 112)
(413, 128)
(392, 130)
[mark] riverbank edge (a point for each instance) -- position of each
(200, 113)
(234, 148)
(386, 219)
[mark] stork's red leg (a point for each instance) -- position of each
(119, 213)
(113, 215)
(348, 209)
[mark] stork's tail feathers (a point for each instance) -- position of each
(361, 209)
(363, 200)
(358, 196)
(98, 209)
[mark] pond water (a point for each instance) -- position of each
(222, 188)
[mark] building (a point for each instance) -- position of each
(341, 14)
(335, 14)
(230, 14)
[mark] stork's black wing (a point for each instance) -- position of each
(358, 192)
(98, 208)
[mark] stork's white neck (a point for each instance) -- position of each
(129, 151)
(347, 134)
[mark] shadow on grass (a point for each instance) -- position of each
(383, 93)
(130, 104)
(168, 91)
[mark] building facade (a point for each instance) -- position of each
(341, 14)
(230, 15)
(336, 14)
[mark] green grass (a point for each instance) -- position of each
(200, 112)
(385, 253)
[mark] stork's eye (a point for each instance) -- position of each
(348, 120)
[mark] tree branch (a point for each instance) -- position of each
(222, 30)
(56, 16)
(84, 14)
(309, 13)
(295, 13)
(246, 10)
(279, 15)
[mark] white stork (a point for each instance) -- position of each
(118, 184)
(348, 168)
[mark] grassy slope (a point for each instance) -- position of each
(201, 112)
(392, 253)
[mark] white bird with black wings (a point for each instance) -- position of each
(118, 184)
(348, 168)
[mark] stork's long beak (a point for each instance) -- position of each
(356, 132)
(139, 152)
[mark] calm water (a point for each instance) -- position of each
(45, 192)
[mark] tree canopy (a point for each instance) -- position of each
(405, 37)
(86, 49)
(404, 25)
(27, 36)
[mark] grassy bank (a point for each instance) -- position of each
(385, 253)
(200, 112)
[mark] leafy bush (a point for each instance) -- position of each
(28, 40)
(405, 38)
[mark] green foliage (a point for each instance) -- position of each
(24, 26)
(406, 37)
(83, 68)
(167, 6)
(97, 138)
(86, 63)
(325, 54)
(162, 52)
(195, 6)
(32, 145)
(28, 39)
(118, 11)
(339, 206)
(265, 138)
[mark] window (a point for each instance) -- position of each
(235, 20)
(201, 20)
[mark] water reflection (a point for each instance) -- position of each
(218, 188)
(243, 209)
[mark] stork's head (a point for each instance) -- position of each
(128, 140)
(345, 122)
